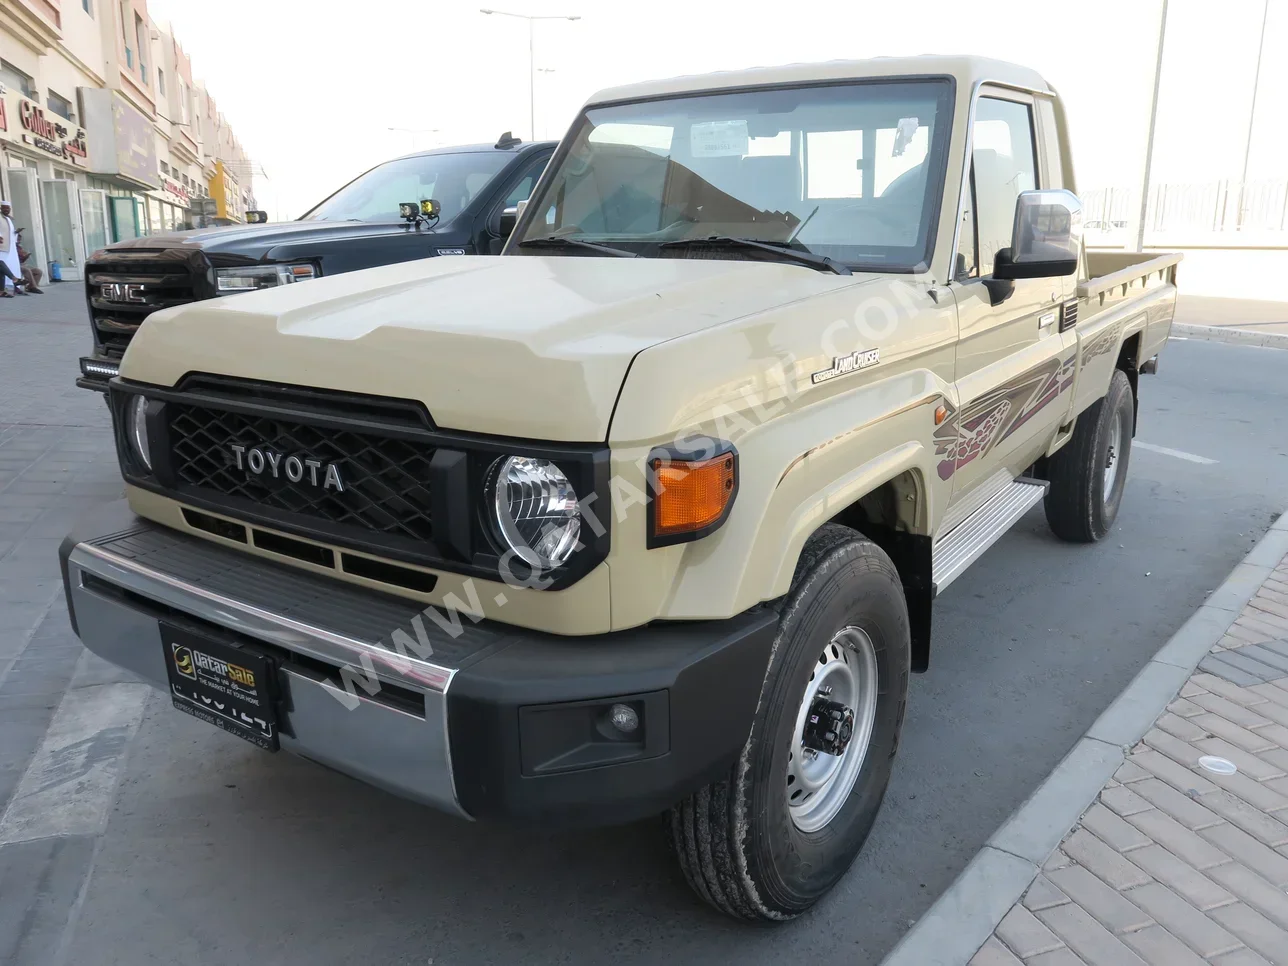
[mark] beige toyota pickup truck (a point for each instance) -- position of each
(648, 515)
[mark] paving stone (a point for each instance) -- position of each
(1233, 733)
(1124, 801)
(1187, 810)
(1254, 821)
(1241, 957)
(1267, 606)
(1175, 774)
(1268, 624)
(1159, 948)
(1112, 830)
(1043, 895)
(1184, 708)
(1231, 671)
(1191, 688)
(1108, 906)
(1185, 881)
(1177, 839)
(1181, 752)
(1025, 935)
(1059, 957)
(1058, 860)
(1242, 847)
(1129, 772)
(1265, 655)
(1254, 929)
(1248, 634)
(1271, 692)
(1254, 890)
(1089, 851)
(1201, 934)
(1086, 937)
(1260, 795)
(1179, 727)
(993, 953)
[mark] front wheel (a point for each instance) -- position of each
(1089, 472)
(770, 839)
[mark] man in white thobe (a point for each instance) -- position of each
(9, 246)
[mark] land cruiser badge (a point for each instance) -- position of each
(841, 365)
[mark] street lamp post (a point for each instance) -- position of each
(1149, 137)
(532, 71)
(1252, 113)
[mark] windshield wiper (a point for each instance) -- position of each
(781, 249)
(563, 241)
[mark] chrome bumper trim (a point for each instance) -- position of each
(253, 621)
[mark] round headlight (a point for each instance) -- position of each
(535, 509)
(138, 429)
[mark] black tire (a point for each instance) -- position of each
(1077, 506)
(737, 843)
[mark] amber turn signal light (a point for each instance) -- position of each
(691, 496)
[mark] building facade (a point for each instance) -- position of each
(105, 134)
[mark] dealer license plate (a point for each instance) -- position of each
(229, 687)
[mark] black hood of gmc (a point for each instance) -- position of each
(277, 241)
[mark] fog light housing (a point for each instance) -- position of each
(624, 718)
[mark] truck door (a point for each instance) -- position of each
(1010, 358)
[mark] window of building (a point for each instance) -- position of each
(1002, 165)
(61, 106)
(88, 6)
(165, 168)
(160, 81)
(141, 36)
(11, 76)
(183, 102)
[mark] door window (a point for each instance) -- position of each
(1002, 165)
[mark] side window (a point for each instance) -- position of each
(523, 188)
(1003, 165)
(968, 245)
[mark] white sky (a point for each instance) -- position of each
(312, 94)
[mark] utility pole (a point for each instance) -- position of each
(1252, 111)
(1149, 138)
(532, 67)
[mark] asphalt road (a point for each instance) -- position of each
(188, 846)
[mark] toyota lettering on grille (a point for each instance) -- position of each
(296, 469)
(122, 292)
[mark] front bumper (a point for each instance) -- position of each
(496, 721)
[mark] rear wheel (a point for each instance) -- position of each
(770, 839)
(1089, 472)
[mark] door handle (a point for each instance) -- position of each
(1046, 320)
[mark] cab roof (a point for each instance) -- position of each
(965, 68)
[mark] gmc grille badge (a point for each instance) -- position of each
(122, 292)
(294, 468)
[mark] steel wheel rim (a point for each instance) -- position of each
(819, 784)
(1113, 456)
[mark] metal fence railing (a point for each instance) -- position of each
(1213, 206)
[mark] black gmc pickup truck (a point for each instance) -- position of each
(376, 219)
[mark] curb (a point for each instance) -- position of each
(962, 919)
(1231, 334)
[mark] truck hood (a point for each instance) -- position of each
(242, 244)
(525, 346)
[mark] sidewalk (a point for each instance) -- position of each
(1175, 864)
(1244, 321)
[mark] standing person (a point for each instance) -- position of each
(9, 246)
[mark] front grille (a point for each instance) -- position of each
(385, 481)
(163, 280)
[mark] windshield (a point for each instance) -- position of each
(851, 171)
(452, 179)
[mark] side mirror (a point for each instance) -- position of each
(256, 217)
(510, 218)
(1046, 238)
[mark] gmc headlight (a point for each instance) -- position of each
(231, 281)
(136, 417)
(535, 510)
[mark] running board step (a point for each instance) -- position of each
(963, 545)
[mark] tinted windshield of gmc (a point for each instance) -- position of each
(452, 179)
(850, 171)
